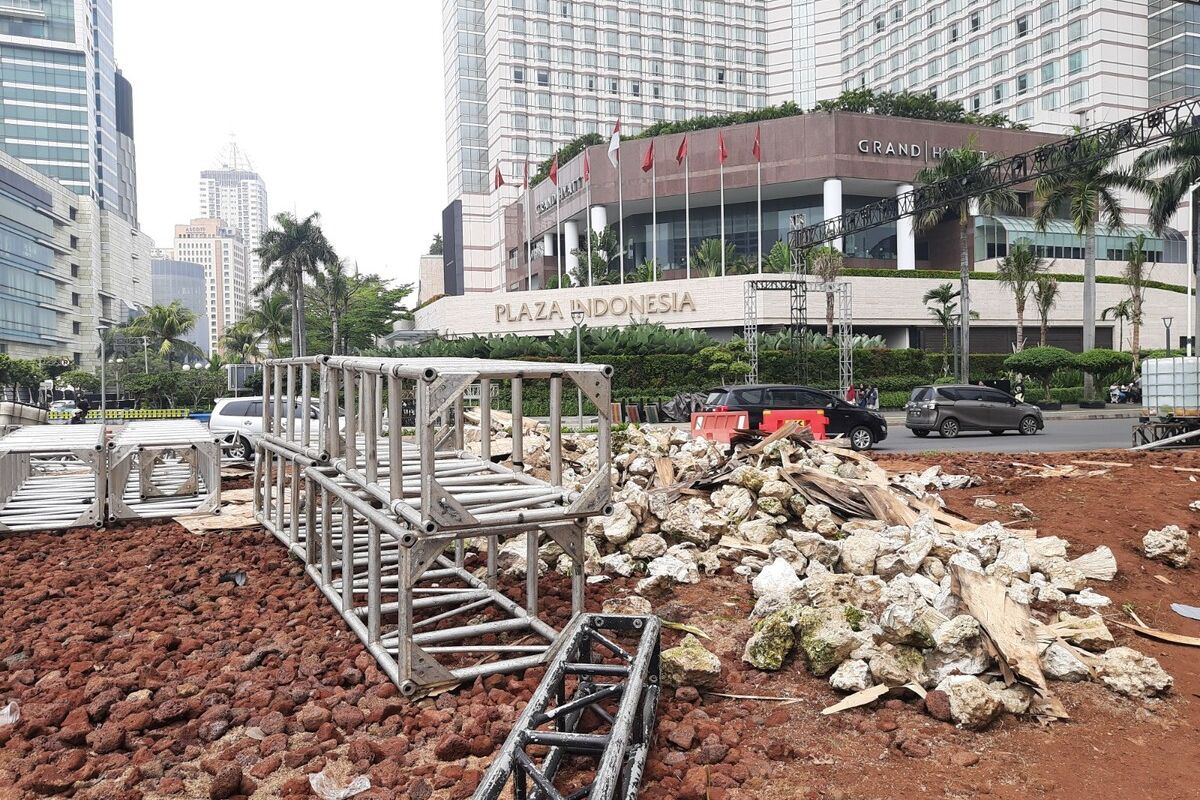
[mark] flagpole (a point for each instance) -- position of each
(687, 215)
(528, 233)
(558, 232)
(722, 216)
(760, 215)
(654, 216)
(589, 229)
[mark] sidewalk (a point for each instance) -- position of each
(1112, 411)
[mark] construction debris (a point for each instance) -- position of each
(1169, 545)
(689, 664)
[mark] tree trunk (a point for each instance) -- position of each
(334, 326)
(1135, 339)
(295, 312)
(1020, 324)
(299, 347)
(1089, 305)
(829, 315)
(964, 269)
(1045, 325)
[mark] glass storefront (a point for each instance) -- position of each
(995, 236)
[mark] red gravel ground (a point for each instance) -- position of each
(139, 675)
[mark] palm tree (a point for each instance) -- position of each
(1182, 156)
(289, 252)
(271, 320)
(605, 250)
(779, 259)
(168, 325)
(333, 287)
(945, 296)
(1136, 274)
(706, 259)
(1018, 271)
(1119, 312)
(1087, 189)
(956, 163)
(1045, 296)
(826, 264)
(240, 343)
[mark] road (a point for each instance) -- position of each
(1060, 434)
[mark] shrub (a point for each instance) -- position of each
(1103, 364)
(1040, 362)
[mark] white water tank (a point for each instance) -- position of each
(1171, 386)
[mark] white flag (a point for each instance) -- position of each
(614, 145)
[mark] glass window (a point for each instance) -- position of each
(1076, 61)
(1049, 72)
(1023, 83)
(1022, 25)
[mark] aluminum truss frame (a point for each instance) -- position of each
(380, 519)
(798, 288)
(52, 477)
(163, 469)
(576, 684)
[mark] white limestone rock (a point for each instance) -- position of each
(618, 564)
(859, 552)
(674, 568)
(620, 526)
(695, 521)
(734, 502)
(972, 703)
(815, 547)
(1060, 664)
(1169, 545)
(1133, 674)
(851, 676)
(958, 649)
(646, 546)
(630, 604)
(759, 530)
(777, 578)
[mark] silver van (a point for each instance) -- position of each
(962, 407)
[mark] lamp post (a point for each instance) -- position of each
(117, 375)
(577, 317)
(100, 329)
(1167, 324)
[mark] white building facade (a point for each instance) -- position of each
(239, 197)
(524, 77)
(220, 249)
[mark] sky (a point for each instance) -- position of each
(339, 107)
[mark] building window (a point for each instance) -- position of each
(74, 298)
(74, 242)
(73, 212)
(543, 77)
(1022, 83)
(1024, 111)
(1077, 92)
(1076, 61)
(1022, 25)
(74, 270)
(518, 74)
(998, 93)
(76, 328)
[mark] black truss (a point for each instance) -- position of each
(1133, 133)
(591, 669)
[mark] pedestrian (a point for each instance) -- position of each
(1019, 390)
(862, 396)
(873, 397)
(850, 394)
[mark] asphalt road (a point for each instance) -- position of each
(1059, 434)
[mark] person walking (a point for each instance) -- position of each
(873, 397)
(850, 394)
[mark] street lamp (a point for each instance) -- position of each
(1167, 324)
(577, 317)
(100, 329)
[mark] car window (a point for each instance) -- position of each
(949, 394)
(751, 396)
(255, 409)
(814, 399)
(995, 396)
(922, 394)
(715, 398)
(236, 408)
(785, 398)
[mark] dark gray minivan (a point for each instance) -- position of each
(962, 407)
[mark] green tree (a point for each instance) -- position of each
(778, 259)
(436, 248)
(1103, 364)
(1136, 273)
(1019, 271)
(956, 164)
(1045, 297)
(606, 251)
(706, 259)
(643, 273)
(826, 263)
(79, 380)
(1086, 192)
(1181, 157)
(1041, 363)
(945, 305)
(1120, 312)
(373, 306)
(332, 288)
(290, 251)
(727, 361)
(166, 326)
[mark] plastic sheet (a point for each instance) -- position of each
(328, 789)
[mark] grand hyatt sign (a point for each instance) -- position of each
(634, 305)
(915, 150)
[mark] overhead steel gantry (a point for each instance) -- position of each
(1133, 133)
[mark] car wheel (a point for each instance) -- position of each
(920, 434)
(861, 438)
(996, 431)
(242, 450)
(949, 428)
(1028, 426)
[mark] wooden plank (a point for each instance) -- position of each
(1164, 636)
(1087, 463)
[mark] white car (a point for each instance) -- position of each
(237, 419)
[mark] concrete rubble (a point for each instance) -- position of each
(851, 568)
(1169, 545)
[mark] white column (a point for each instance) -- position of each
(570, 242)
(548, 245)
(833, 204)
(599, 218)
(906, 240)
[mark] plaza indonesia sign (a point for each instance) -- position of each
(618, 307)
(914, 150)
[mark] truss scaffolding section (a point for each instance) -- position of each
(52, 477)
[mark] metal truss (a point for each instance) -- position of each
(163, 468)
(52, 477)
(598, 702)
(1133, 133)
(798, 288)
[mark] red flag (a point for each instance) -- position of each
(587, 167)
(499, 177)
(721, 151)
(554, 171)
(758, 144)
(526, 185)
(648, 161)
(682, 154)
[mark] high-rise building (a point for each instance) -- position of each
(524, 77)
(220, 249)
(66, 268)
(237, 194)
(1174, 59)
(67, 110)
(186, 282)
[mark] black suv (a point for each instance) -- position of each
(862, 427)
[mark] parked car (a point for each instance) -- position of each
(962, 407)
(864, 428)
(237, 419)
